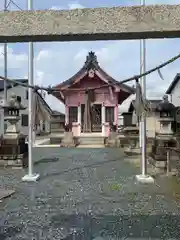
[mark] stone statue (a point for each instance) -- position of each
(15, 102)
(141, 105)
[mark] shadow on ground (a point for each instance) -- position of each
(10, 231)
(100, 163)
(118, 227)
(46, 160)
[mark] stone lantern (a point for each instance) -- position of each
(11, 115)
(166, 111)
(13, 149)
(164, 137)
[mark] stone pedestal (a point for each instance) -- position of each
(14, 151)
(112, 140)
(68, 140)
(12, 127)
(145, 179)
(131, 134)
(31, 178)
(159, 151)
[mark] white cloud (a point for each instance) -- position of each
(71, 5)
(75, 5)
(80, 56)
(56, 8)
(152, 2)
(14, 60)
(44, 54)
(39, 77)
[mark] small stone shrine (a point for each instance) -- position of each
(68, 139)
(164, 138)
(112, 140)
(131, 138)
(13, 150)
(166, 110)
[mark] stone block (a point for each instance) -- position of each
(68, 140)
(129, 22)
(144, 179)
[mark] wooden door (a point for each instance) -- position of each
(96, 116)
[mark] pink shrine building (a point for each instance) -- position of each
(91, 98)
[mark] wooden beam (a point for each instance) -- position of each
(135, 22)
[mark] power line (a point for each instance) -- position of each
(12, 2)
(8, 5)
(50, 90)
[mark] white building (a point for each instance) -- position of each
(174, 91)
(23, 93)
(152, 118)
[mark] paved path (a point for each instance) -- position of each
(92, 191)
(41, 141)
(91, 146)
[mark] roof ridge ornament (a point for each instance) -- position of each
(91, 61)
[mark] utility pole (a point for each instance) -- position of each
(143, 120)
(5, 82)
(5, 60)
(30, 177)
(142, 126)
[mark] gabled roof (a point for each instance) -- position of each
(173, 84)
(57, 113)
(11, 85)
(92, 63)
(153, 103)
(44, 103)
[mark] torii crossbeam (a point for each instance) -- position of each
(135, 22)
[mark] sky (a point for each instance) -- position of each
(56, 62)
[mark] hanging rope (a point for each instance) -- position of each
(50, 90)
(141, 105)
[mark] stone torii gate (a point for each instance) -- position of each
(137, 22)
(117, 23)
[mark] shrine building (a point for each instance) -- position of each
(91, 98)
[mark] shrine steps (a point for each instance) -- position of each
(91, 146)
(86, 140)
(91, 140)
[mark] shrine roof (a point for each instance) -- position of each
(153, 103)
(173, 84)
(57, 113)
(92, 63)
(10, 85)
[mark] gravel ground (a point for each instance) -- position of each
(86, 194)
